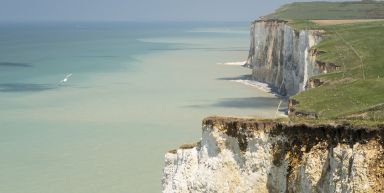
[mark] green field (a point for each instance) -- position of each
(355, 91)
(330, 10)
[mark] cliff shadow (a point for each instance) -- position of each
(249, 102)
(242, 77)
(241, 103)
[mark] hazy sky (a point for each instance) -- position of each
(136, 10)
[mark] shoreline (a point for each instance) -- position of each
(261, 86)
(265, 87)
(252, 83)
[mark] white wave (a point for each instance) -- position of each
(259, 85)
(233, 63)
(219, 30)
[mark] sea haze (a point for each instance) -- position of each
(136, 91)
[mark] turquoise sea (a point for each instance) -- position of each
(136, 91)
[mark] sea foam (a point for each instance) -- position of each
(233, 63)
(259, 85)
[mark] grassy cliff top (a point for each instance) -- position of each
(353, 43)
(355, 91)
(330, 10)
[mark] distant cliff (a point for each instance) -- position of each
(245, 155)
(282, 56)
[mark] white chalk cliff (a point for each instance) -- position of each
(282, 56)
(244, 155)
(263, 156)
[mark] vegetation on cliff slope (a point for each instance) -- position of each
(354, 91)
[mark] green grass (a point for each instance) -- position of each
(330, 10)
(355, 92)
(303, 25)
(345, 94)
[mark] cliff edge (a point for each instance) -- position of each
(283, 56)
(249, 155)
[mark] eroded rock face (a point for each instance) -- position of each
(244, 155)
(281, 56)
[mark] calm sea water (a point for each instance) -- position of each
(136, 91)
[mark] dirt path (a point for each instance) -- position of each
(355, 51)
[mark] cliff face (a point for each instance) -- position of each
(242, 155)
(281, 56)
